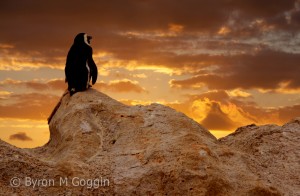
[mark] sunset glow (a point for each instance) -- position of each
(224, 64)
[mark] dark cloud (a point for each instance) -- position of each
(213, 95)
(266, 8)
(289, 112)
(27, 106)
(20, 136)
(295, 18)
(258, 49)
(57, 84)
(216, 119)
(50, 27)
(41, 34)
(121, 14)
(266, 69)
(217, 110)
(38, 106)
(35, 85)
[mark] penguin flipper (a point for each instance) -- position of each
(93, 67)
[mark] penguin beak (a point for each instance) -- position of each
(89, 39)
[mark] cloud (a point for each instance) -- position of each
(37, 105)
(239, 93)
(118, 24)
(289, 112)
(216, 119)
(57, 84)
(135, 102)
(121, 86)
(33, 106)
(4, 93)
(220, 46)
(265, 69)
(180, 39)
(38, 85)
(218, 110)
(20, 136)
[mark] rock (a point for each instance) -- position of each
(272, 153)
(99, 146)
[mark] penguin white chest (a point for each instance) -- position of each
(89, 75)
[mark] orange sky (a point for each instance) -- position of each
(224, 63)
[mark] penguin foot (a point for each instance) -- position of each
(72, 91)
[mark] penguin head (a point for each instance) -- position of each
(87, 39)
(82, 38)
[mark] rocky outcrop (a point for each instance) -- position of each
(272, 153)
(99, 146)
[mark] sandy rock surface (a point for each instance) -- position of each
(99, 146)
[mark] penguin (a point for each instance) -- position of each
(80, 67)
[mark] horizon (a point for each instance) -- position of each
(225, 64)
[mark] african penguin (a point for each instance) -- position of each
(80, 66)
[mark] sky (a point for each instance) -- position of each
(224, 63)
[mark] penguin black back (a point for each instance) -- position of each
(80, 66)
